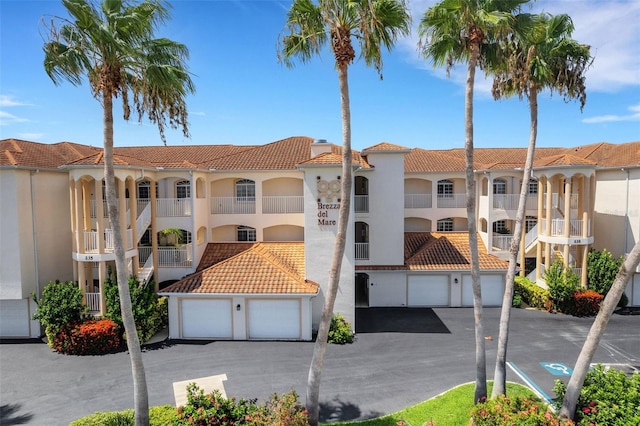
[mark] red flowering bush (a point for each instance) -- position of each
(503, 410)
(92, 337)
(585, 303)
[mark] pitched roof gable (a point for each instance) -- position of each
(263, 268)
(385, 146)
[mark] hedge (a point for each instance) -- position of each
(532, 294)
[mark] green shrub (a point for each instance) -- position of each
(517, 300)
(562, 283)
(91, 337)
(608, 397)
(585, 303)
(149, 312)
(340, 331)
(163, 415)
(504, 410)
(213, 408)
(282, 410)
(602, 269)
(61, 304)
(532, 294)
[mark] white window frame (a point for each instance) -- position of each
(245, 233)
(245, 190)
(445, 225)
(445, 188)
(499, 187)
(533, 187)
(499, 226)
(183, 189)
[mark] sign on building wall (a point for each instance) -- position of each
(328, 201)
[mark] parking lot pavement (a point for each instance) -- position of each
(382, 372)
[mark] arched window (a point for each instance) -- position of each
(445, 188)
(533, 187)
(245, 190)
(445, 225)
(499, 187)
(144, 190)
(183, 189)
(246, 233)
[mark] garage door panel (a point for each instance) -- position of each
(274, 319)
(14, 318)
(492, 290)
(428, 290)
(206, 318)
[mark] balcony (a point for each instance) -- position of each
(282, 204)
(501, 242)
(452, 200)
(91, 241)
(233, 205)
(417, 201)
(576, 227)
(168, 257)
(362, 251)
(511, 201)
(361, 203)
(173, 207)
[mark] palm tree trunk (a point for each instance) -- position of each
(597, 330)
(481, 362)
(317, 361)
(500, 374)
(140, 393)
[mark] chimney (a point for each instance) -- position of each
(320, 146)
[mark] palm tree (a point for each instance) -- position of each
(114, 48)
(541, 57)
(309, 26)
(598, 327)
(454, 31)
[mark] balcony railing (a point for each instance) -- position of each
(91, 241)
(452, 200)
(173, 207)
(576, 227)
(175, 257)
(417, 201)
(557, 201)
(233, 205)
(93, 301)
(105, 210)
(511, 201)
(362, 251)
(361, 203)
(502, 242)
(282, 204)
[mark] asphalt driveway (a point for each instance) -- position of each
(384, 371)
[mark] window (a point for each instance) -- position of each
(245, 190)
(145, 240)
(144, 190)
(183, 189)
(533, 187)
(530, 222)
(246, 233)
(445, 225)
(186, 237)
(500, 227)
(445, 188)
(499, 187)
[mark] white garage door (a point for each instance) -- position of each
(14, 318)
(274, 319)
(206, 318)
(492, 290)
(428, 290)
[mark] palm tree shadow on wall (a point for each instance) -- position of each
(398, 320)
(9, 415)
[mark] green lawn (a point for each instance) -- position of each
(449, 409)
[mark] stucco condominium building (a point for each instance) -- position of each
(240, 238)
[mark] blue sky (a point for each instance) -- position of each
(244, 96)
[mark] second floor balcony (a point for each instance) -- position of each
(92, 244)
(278, 204)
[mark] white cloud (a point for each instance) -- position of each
(7, 118)
(9, 101)
(634, 116)
(609, 27)
(31, 136)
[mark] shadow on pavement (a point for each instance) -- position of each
(9, 415)
(398, 320)
(337, 410)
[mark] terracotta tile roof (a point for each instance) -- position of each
(385, 146)
(284, 154)
(263, 268)
(421, 160)
(562, 160)
(16, 152)
(610, 155)
(335, 158)
(445, 251)
(217, 252)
